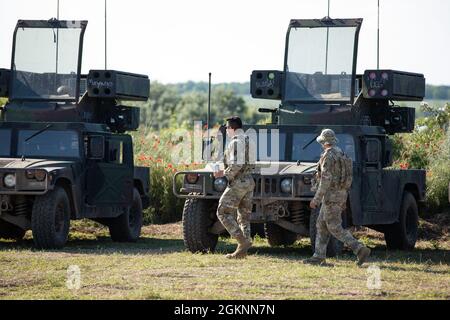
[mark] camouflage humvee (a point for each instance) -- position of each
(63, 151)
(319, 88)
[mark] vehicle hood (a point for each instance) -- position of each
(33, 163)
(271, 168)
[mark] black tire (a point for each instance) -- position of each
(278, 236)
(403, 235)
(50, 219)
(8, 231)
(334, 247)
(127, 227)
(198, 216)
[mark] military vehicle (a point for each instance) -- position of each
(63, 153)
(319, 88)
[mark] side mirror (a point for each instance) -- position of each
(96, 147)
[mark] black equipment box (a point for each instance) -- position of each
(117, 85)
(266, 84)
(393, 85)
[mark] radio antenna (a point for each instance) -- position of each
(328, 31)
(378, 37)
(208, 120)
(105, 38)
(57, 36)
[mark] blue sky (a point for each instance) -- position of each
(176, 40)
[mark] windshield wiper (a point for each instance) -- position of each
(48, 126)
(309, 143)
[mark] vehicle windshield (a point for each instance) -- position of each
(312, 152)
(45, 63)
(274, 146)
(271, 147)
(319, 64)
(49, 144)
(5, 143)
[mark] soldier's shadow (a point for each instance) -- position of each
(103, 245)
(427, 256)
(263, 249)
(379, 254)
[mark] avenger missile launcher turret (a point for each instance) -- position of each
(319, 88)
(64, 153)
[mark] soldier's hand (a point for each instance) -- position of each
(218, 174)
(313, 204)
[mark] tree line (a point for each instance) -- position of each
(174, 105)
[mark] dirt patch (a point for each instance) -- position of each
(366, 232)
(19, 282)
(435, 227)
(168, 230)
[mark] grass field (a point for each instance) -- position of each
(158, 267)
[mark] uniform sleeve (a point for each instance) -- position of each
(234, 162)
(325, 179)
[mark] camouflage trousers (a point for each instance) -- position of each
(235, 207)
(329, 223)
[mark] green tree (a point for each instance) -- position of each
(159, 109)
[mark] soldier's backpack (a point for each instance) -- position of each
(346, 166)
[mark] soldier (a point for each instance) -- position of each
(237, 197)
(333, 197)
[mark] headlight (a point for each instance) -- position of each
(39, 175)
(192, 178)
(220, 184)
(9, 180)
(286, 185)
(306, 180)
(29, 174)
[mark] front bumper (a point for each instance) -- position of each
(266, 187)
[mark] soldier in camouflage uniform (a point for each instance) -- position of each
(237, 197)
(333, 199)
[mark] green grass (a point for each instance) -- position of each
(158, 267)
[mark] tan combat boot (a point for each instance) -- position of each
(362, 255)
(241, 251)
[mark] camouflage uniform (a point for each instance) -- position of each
(237, 197)
(333, 199)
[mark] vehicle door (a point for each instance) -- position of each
(371, 181)
(110, 176)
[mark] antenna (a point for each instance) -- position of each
(378, 37)
(208, 120)
(328, 31)
(105, 38)
(57, 36)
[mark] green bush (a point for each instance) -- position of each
(438, 177)
(428, 148)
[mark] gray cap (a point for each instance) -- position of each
(327, 136)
